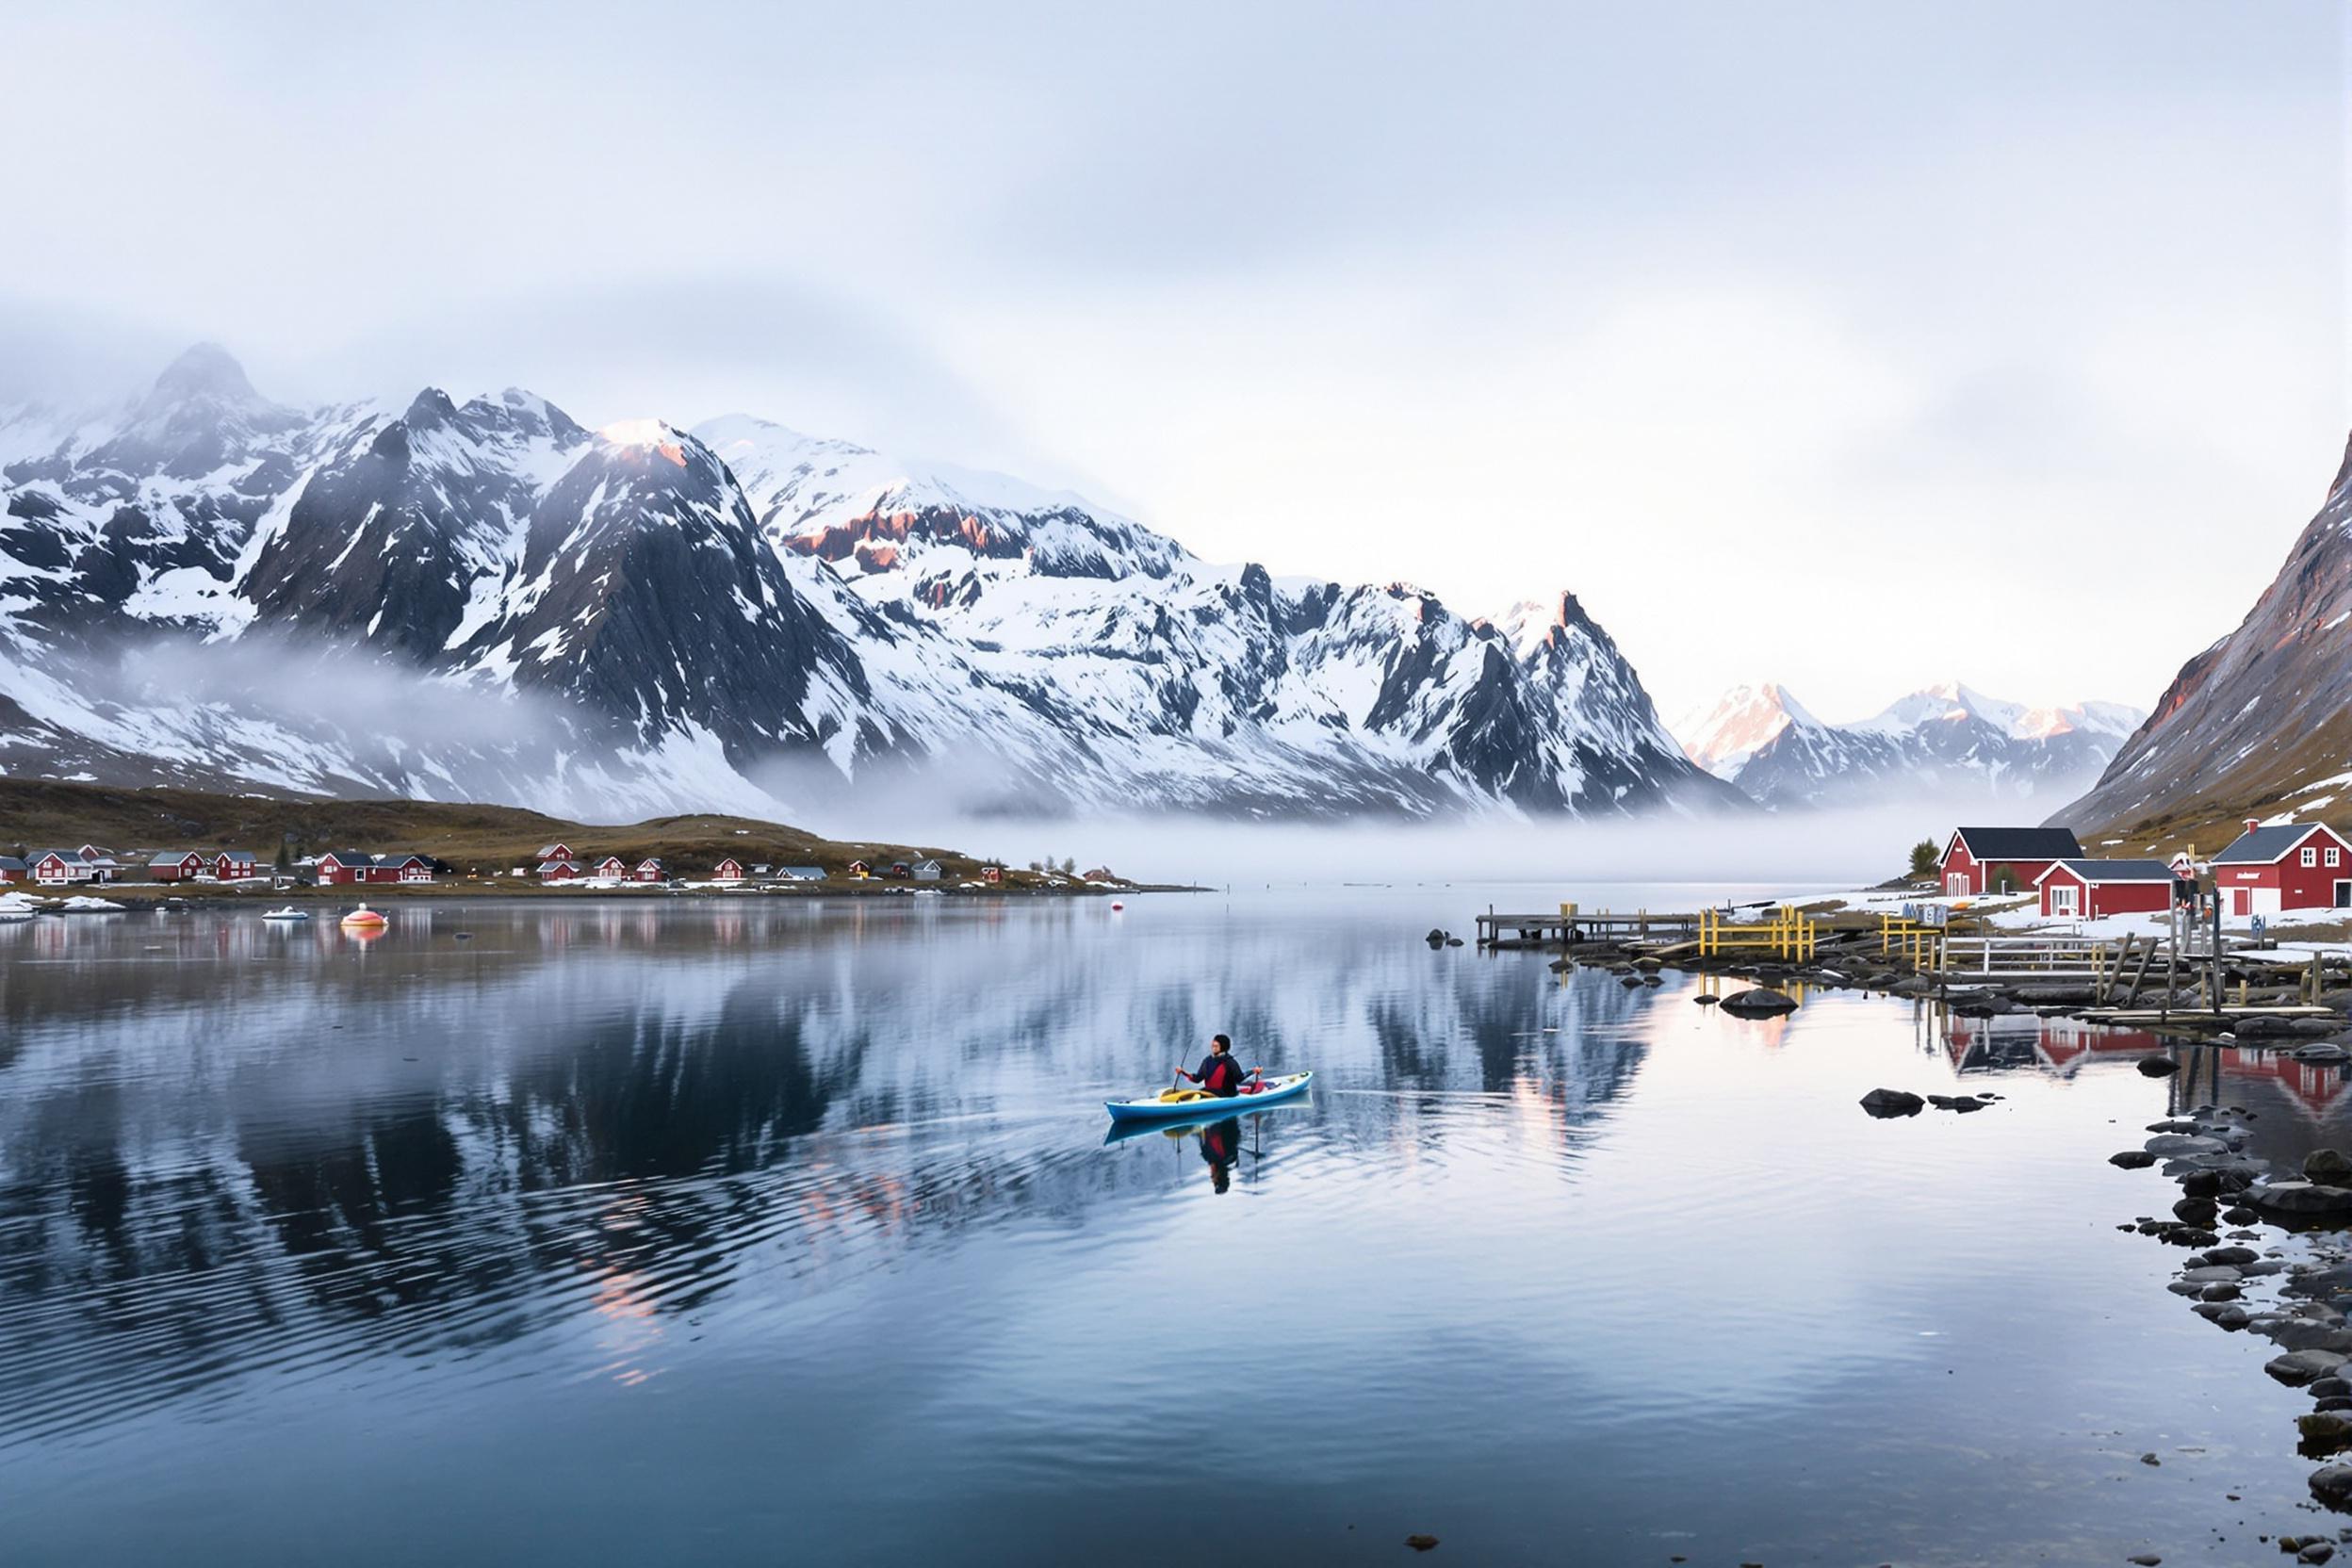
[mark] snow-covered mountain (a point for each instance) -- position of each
(2259, 724)
(484, 598)
(1942, 741)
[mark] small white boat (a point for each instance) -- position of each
(289, 912)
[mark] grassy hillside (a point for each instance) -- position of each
(41, 813)
(2208, 822)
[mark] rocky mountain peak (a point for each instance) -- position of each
(428, 409)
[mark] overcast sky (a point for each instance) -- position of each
(1856, 346)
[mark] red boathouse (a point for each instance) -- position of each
(1976, 856)
(2295, 865)
(2093, 890)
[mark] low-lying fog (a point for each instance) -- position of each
(1841, 849)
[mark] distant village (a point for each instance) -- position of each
(2267, 869)
(554, 865)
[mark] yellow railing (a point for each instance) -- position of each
(1912, 941)
(1786, 933)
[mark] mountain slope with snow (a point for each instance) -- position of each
(452, 599)
(2259, 724)
(1942, 741)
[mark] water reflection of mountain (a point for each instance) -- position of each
(223, 1152)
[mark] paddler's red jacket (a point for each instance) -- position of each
(1221, 1074)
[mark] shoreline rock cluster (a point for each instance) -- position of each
(2309, 1315)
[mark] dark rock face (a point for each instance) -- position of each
(640, 553)
(389, 541)
(2264, 710)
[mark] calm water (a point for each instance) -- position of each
(763, 1233)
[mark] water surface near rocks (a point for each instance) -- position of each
(767, 1232)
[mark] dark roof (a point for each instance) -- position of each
(2116, 871)
(349, 857)
(804, 874)
(71, 856)
(9, 863)
(2265, 846)
(2022, 843)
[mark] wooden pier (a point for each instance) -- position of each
(1583, 925)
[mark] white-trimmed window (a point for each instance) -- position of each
(2311, 856)
(2062, 898)
(2335, 857)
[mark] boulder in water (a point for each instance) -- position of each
(1892, 1103)
(2297, 1367)
(1759, 1003)
(2333, 1485)
(2293, 1196)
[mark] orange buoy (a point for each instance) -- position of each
(364, 919)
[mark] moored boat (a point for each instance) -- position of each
(289, 912)
(1172, 1104)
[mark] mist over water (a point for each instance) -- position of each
(1704, 855)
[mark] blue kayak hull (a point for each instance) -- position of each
(1289, 1087)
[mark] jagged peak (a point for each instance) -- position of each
(1745, 719)
(429, 408)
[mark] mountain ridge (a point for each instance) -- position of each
(1941, 740)
(742, 608)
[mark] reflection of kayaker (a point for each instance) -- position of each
(1220, 1146)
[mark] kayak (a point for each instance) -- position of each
(1182, 1102)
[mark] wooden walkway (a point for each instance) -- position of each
(1585, 926)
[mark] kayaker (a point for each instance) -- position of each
(1219, 1073)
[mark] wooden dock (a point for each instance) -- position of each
(1571, 923)
(2195, 969)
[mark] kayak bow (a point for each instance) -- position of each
(1170, 1103)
